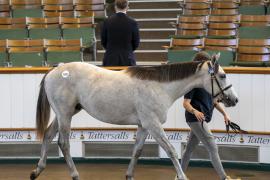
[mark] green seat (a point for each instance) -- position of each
(2, 59)
(26, 59)
(17, 13)
(54, 58)
(19, 33)
(43, 28)
(87, 34)
(252, 10)
(25, 52)
(267, 64)
(3, 44)
(180, 55)
(226, 57)
(262, 32)
(45, 33)
(63, 51)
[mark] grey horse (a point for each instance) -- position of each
(135, 96)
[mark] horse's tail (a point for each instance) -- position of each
(43, 111)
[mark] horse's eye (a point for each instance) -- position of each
(222, 76)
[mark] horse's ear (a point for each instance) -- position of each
(215, 57)
(214, 61)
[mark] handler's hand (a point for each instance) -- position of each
(227, 119)
(199, 115)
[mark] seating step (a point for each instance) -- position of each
(156, 33)
(157, 4)
(154, 14)
(143, 55)
(146, 44)
(156, 23)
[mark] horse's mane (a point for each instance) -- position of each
(165, 73)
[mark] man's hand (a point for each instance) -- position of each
(199, 115)
(227, 119)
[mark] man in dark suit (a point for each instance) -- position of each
(120, 37)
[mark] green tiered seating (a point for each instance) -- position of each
(226, 47)
(63, 51)
(3, 53)
(13, 28)
(79, 28)
(253, 52)
(183, 49)
(25, 52)
(43, 28)
(22, 8)
(259, 32)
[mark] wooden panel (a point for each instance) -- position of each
(88, 1)
(192, 19)
(57, 2)
(223, 26)
(220, 42)
(266, 104)
(258, 101)
(196, 12)
(213, 32)
(253, 57)
(16, 100)
(256, 18)
(224, 5)
(245, 101)
(35, 20)
(30, 96)
(191, 32)
(224, 18)
(5, 103)
(187, 42)
(196, 6)
(254, 42)
(224, 11)
(190, 26)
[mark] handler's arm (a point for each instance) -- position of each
(223, 112)
(199, 115)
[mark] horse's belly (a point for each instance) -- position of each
(113, 113)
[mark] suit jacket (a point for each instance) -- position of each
(120, 37)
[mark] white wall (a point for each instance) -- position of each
(18, 96)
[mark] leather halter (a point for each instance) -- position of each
(211, 70)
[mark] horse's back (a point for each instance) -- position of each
(106, 95)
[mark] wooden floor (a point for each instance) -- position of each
(117, 172)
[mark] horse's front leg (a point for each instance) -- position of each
(137, 150)
(154, 127)
(47, 139)
(64, 132)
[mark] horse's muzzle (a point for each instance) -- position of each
(228, 102)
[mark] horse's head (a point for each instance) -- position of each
(217, 83)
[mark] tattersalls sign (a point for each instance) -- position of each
(130, 135)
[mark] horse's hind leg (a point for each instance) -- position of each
(64, 132)
(137, 150)
(47, 139)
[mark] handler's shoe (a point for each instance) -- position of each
(176, 178)
(229, 178)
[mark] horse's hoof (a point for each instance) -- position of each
(129, 178)
(33, 175)
(75, 178)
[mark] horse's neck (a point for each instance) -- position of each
(176, 89)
